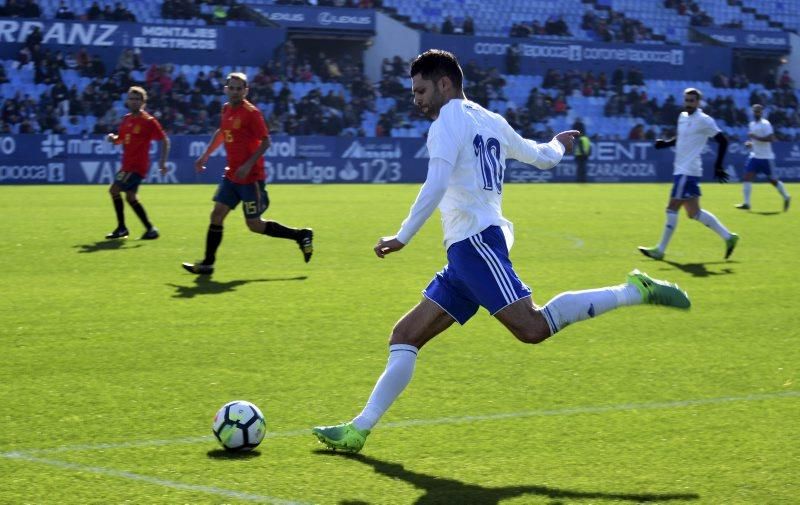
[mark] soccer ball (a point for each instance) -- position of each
(239, 426)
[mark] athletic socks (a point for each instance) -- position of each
(391, 383)
(669, 229)
(712, 222)
(574, 306)
(119, 208)
(782, 190)
(213, 240)
(275, 229)
(139, 210)
(747, 190)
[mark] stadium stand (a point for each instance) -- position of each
(303, 92)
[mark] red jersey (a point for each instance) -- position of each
(243, 129)
(135, 134)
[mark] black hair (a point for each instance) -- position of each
(434, 64)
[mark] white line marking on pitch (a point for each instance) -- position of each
(28, 457)
(228, 493)
(430, 422)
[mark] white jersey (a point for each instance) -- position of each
(761, 150)
(476, 143)
(694, 130)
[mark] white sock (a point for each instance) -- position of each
(669, 229)
(782, 190)
(574, 306)
(391, 383)
(712, 222)
(747, 190)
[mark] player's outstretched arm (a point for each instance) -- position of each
(162, 162)
(766, 138)
(542, 156)
(387, 245)
(430, 194)
(216, 140)
(664, 143)
(722, 148)
(567, 139)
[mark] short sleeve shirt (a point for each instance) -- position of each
(477, 143)
(136, 131)
(694, 130)
(761, 150)
(243, 129)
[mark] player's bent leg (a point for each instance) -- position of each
(418, 326)
(219, 213)
(421, 324)
(525, 321)
(305, 241)
(658, 292)
(213, 240)
(255, 225)
(711, 221)
(121, 230)
(304, 237)
(341, 437)
(151, 232)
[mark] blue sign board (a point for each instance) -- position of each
(536, 56)
(159, 43)
(74, 159)
(748, 39)
(320, 17)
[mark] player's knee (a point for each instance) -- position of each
(531, 335)
(401, 334)
(114, 190)
(255, 225)
(217, 217)
(130, 198)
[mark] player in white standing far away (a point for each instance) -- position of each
(468, 148)
(695, 127)
(761, 159)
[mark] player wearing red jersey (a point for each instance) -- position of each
(246, 138)
(136, 131)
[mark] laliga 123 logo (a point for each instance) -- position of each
(349, 173)
(52, 146)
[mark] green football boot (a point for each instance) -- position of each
(651, 252)
(730, 244)
(659, 292)
(342, 437)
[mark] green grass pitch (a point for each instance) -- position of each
(114, 359)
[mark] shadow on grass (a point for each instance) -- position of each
(223, 454)
(700, 269)
(766, 213)
(205, 285)
(105, 245)
(441, 490)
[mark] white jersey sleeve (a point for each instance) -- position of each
(709, 126)
(761, 149)
(543, 156)
(430, 194)
(444, 141)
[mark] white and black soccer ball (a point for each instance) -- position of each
(239, 426)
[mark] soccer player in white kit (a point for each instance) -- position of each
(762, 158)
(695, 127)
(468, 148)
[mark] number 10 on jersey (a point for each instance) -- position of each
(488, 154)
